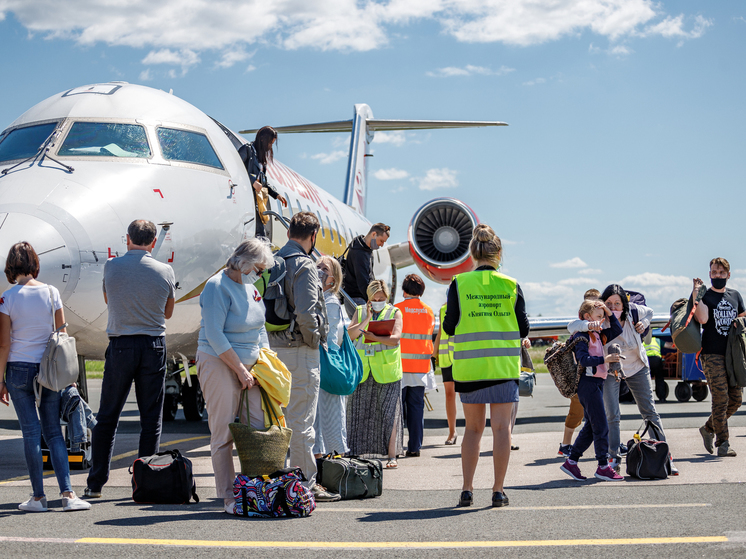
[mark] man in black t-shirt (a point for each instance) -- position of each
(716, 311)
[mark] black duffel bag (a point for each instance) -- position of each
(352, 478)
(164, 479)
(648, 458)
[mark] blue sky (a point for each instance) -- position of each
(623, 161)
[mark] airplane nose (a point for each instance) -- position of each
(57, 265)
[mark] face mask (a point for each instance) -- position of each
(251, 278)
(378, 305)
(617, 314)
(373, 243)
(718, 283)
(313, 245)
(323, 276)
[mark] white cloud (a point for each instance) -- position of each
(397, 138)
(183, 58)
(233, 56)
(468, 70)
(326, 158)
(590, 272)
(572, 263)
(437, 178)
(390, 174)
(250, 68)
(577, 281)
(620, 51)
(145, 75)
(198, 26)
(650, 279)
(535, 82)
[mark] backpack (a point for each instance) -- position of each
(564, 369)
(637, 299)
(278, 495)
(271, 286)
(59, 364)
(686, 334)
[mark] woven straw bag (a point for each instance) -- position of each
(260, 451)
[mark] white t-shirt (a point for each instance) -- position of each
(30, 312)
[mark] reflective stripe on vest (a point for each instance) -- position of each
(417, 335)
(445, 348)
(487, 341)
(653, 349)
(382, 360)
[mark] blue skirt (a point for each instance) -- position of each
(503, 393)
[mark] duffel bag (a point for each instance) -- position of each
(281, 494)
(648, 458)
(164, 479)
(352, 478)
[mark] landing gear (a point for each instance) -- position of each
(186, 392)
(192, 400)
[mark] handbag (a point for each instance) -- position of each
(260, 451)
(648, 458)
(527, 377)
(352, 478)
(281, 494)
(59, 364)
(164, 478)
(341, 368)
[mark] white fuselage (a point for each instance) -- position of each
(77, 220)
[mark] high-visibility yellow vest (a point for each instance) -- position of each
(384, 361)
(417, 335)
(653, 349)
(487, 342)
(445, 348)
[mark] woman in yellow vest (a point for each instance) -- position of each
(443, 354)
(416, 351)
(374, 411)
(486, 315)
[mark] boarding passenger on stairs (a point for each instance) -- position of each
(358, 272)
(298, 345)
(416, 351)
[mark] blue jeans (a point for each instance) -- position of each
(413, 404)
(20, 382)
(141, 359)
(639, 386)
(596, 429)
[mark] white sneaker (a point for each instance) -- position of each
(74, 503)
(32, 505)
(230, 508)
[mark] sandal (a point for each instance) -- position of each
(452, 441)
(392, 464)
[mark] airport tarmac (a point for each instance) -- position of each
(702, 512)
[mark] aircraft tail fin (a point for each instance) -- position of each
(363, 127)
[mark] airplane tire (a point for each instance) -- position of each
(683, 392)
(170, 406)
(192, 400)
(700, 392)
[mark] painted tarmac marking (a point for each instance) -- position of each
(559, 507)
(114, 459)
(405, 545)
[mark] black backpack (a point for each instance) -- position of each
(278, 314)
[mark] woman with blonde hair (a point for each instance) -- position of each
(486, 315)
(374, 411)
(331, 421)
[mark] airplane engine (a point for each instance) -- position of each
(439, 236)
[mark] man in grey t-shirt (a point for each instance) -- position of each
(139, 291)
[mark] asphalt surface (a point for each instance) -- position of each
(701, 513)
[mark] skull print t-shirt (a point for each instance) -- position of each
(723, 309)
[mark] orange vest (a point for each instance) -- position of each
(417, 335)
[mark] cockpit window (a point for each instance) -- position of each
(105, 139)
(189, 147)
(22, 143)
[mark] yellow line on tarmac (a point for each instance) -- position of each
(114, 459)
(404, 545)
(332, 508)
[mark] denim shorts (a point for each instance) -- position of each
(503, 393)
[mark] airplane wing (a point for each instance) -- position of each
(557, 326)
(380, 124)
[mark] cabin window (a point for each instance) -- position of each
(289, 208)
(339, 236)
(188, 147)
(106, 139)
(24, 142)
(329, 223)
(321, 223)
(300, 208)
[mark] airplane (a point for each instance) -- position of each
(78, 167)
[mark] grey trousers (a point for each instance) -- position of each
(639, 385)
(300, 414)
